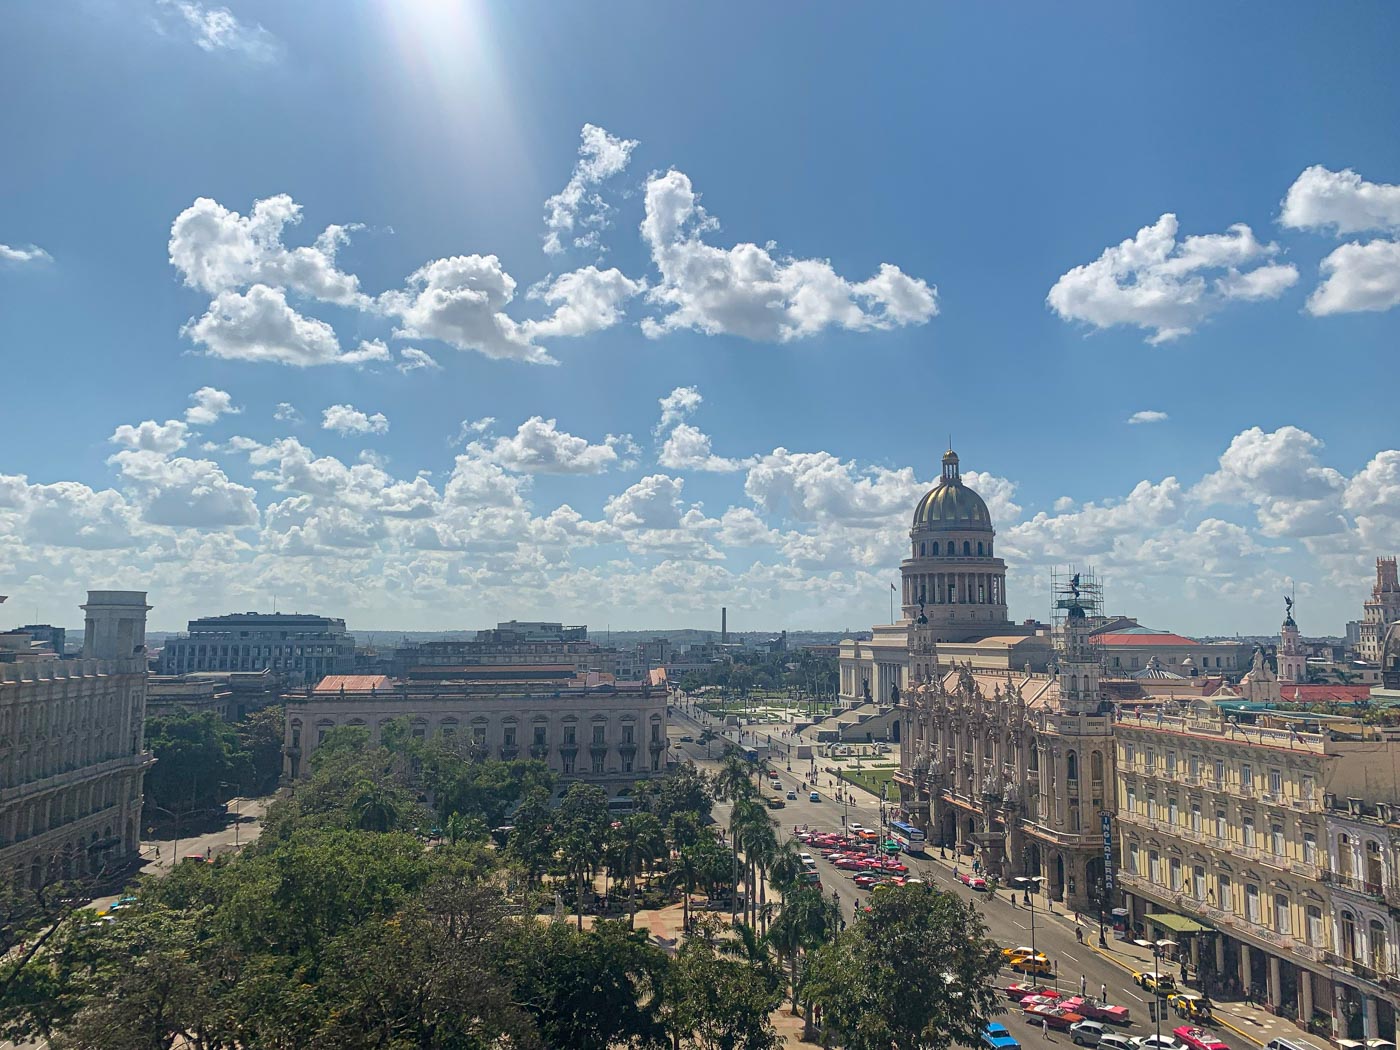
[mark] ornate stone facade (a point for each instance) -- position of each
(1380, 611)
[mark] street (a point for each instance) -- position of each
(1008, 925)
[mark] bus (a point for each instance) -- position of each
(910, 838)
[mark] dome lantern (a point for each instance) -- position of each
(951, 504)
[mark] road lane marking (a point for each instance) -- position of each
(1070, 957)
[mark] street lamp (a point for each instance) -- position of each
(238, 802)
(1101, 892)
(175, 849)
(1160, 1004)
(1027, 883)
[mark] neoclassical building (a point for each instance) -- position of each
(1007, 741)
(1380, 610)
(73, 750)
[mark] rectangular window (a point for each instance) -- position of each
(1247, 831)
(1133, 860)
(1222, 828)
(1129, 755)
(539, 736)
(1283, 923)
(568, 763)
(1314, 934)
(1226, 893)
(1195, 816)
(1175, 867)
(1308, 785)
(1154, 865)
(597, 763)
(1198, 882)
(570, 735)
(510, 736)
(1132, 799)
(627, 734)
(1276, 781)
(479, 736)
(1150, 759)
(656, 732)
(1195, 767)
(1219, 773)
(1251, 903)
(1309, 847)
(1171, 763)
(1173, 817)
(598, 734)
(627, 763)
(1246, 777)
(1276, 839)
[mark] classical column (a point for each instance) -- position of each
(1275, 981)
(1338, 1014)
(1220, 953)
(1305, 996)
(1372, 1029)
(1246, 972)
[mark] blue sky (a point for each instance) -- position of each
(824, 240)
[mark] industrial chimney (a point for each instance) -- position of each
(723, 625)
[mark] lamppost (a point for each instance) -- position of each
(1027, 883)
(1101, 893)
(174, 849)
(237, 803)
(1159, 1004)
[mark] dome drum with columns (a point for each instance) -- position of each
(952, 576)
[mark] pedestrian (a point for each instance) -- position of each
(1044, 1028)
(1079, 936)
(1103, 993)
(1081, 986)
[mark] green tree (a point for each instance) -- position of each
(375, 807)
(196, 754)
(532, 838)
(582, 826)
(260, 737)
(637, 841)
(714, 1003)
(685, 789)
(808, 920)
(589, 989)
(878, 989)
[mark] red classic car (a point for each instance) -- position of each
(1199, 1038)
(1018, 990)
(1097, 1010)
(975, 882)
(1056, 1016)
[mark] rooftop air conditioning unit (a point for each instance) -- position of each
(1354, 806)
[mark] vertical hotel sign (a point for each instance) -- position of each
(1108, 852)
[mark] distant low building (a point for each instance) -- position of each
(169, 694)
(301, 647)
(585, 725)
(1127, 646)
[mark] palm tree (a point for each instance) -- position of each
(753, 832)
(637, 841)
(807, 921)
(374, 807)
(683, 834)
(754, 950)
(707, 737)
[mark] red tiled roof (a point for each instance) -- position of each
(354, 683)
(1321, 694)
(1144, 639)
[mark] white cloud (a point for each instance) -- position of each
(1148, 415)
(1278, 473)
(587, 300)
(540, 447)
(187, 493)
(209, 403)
(601, 156)
(1340, 202)
(286, 412)
(472, 426)
(688, 448)
(1358, 277)
(746, 291)
(33, 253)
(346, 419)
(1373, 498)
(654, 502)
(261, 326)
(151, 436)
(811, 486)
(412, 359)
(678, 405)
(1154, 282)
(218, 250)
(461, 302)
(216, 29)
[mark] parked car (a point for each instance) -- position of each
(1191, 1006)
(1156, 1042)
(1097, 1010)
(1018, 990)
(996, 1037)
(1161, 983)
(1198, 1038)
(1086, 1033)
(1057, 1017)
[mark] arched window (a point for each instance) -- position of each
(1071, 766)
(1377, 945)
(1373, 864)
(1096, 765)
(935, 548)
(979, 548)
(1344, 861)
(921, 550)
(1348, 944)
(967, 548)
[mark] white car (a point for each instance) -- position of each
(1086, 1033)
(855, 829)
(1157, 1042)
(808, 861)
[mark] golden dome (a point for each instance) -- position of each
(950, 504)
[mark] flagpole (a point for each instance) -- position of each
(891, 603)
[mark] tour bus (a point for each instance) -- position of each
(910, 838)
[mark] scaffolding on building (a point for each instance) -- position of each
(1076, 594)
